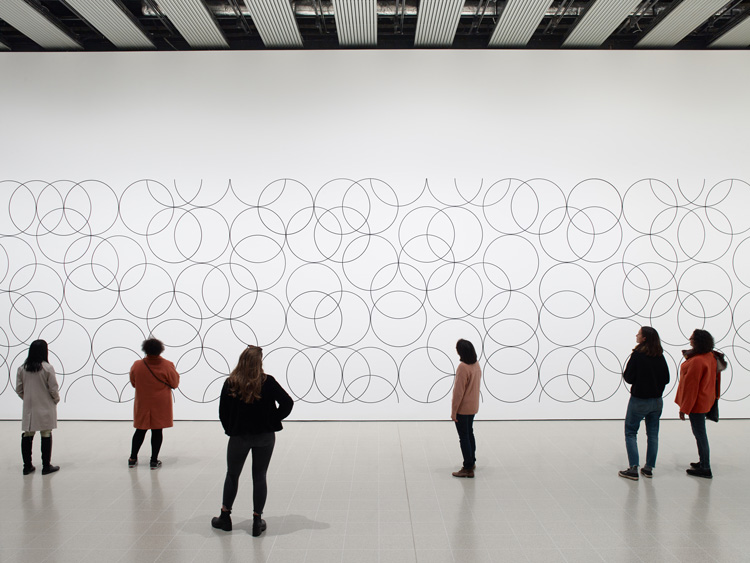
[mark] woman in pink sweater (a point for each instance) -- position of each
(465, 404)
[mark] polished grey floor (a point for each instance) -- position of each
(380, 491)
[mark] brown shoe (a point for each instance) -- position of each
(463, 472)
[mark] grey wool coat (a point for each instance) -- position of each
(40, 395)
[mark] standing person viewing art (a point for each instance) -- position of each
(697, 392)
(37, 385)
(251, 408)
(465, 405)
(153, 378)
(648, 374)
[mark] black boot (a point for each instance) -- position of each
(259, 525)
(26, 442)
(224, 521)
(47, 467)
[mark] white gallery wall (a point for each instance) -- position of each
(356, 212)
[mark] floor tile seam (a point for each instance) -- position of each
(406, 487)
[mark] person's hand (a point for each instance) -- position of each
(453, 418)
(682, 415)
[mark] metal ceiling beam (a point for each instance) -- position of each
(113, 21)
(518, 22)
(356, 22)
(35, 25)
(4, 47)
(599, 22)
(275, 22)
(678, 24)
(736, 38)
(195, 22)
(437, 22)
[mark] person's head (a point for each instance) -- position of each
(648, 341)
(247, 378)
(466, 351)
(701, 341)
(37, 354)
(152, 347)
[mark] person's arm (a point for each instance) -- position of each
(224, 406)
(52, 386)
(19, 383)
(690, 382)
(664, 368)
(132, 374)
(286, 403)
(630, 370)
(459, 388)
(173, 378)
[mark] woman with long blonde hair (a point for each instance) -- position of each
(251, 409)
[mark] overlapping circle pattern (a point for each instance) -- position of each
(358, 292)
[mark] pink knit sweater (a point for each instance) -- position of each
(466, 389)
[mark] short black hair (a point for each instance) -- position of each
(466, 351)
(152, 347)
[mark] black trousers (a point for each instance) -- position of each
(237, 451)
(465, 428)
(157, 437)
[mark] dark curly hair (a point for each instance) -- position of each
(703, 343)
(152, 347)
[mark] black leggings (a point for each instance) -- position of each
(237, 450)
(156, 439)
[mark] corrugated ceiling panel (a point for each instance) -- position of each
(195, 23)
(34, 25)
(518, 22)
(274, 20)
(437, 22)
(680, 22)
(356, 22)
(599, 22)
(110, 19)
(736, 38)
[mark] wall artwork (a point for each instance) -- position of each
(358, 289)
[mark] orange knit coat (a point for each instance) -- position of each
(697, 390)
(152, 408)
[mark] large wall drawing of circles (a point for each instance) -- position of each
(357, 289)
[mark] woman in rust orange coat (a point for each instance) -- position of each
(697, 392)
(153, 378)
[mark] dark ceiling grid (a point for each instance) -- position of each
(397, 21)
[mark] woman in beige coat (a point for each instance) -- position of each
(37, 385)
(153, 378)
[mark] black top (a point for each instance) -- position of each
(239, 418)
(648, 375)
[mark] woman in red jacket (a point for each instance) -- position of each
(153, 378)
(696, 394)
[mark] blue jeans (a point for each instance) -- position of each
(698, 424)
(465, 428)
(638, 409)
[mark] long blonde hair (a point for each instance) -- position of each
(247, 378)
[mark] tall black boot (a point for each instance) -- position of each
(26, 442)
(47, 467)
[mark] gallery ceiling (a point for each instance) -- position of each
(183, 25)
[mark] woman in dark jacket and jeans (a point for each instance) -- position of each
(648, 374)
(249, 414)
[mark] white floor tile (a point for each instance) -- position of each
(381, 491)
